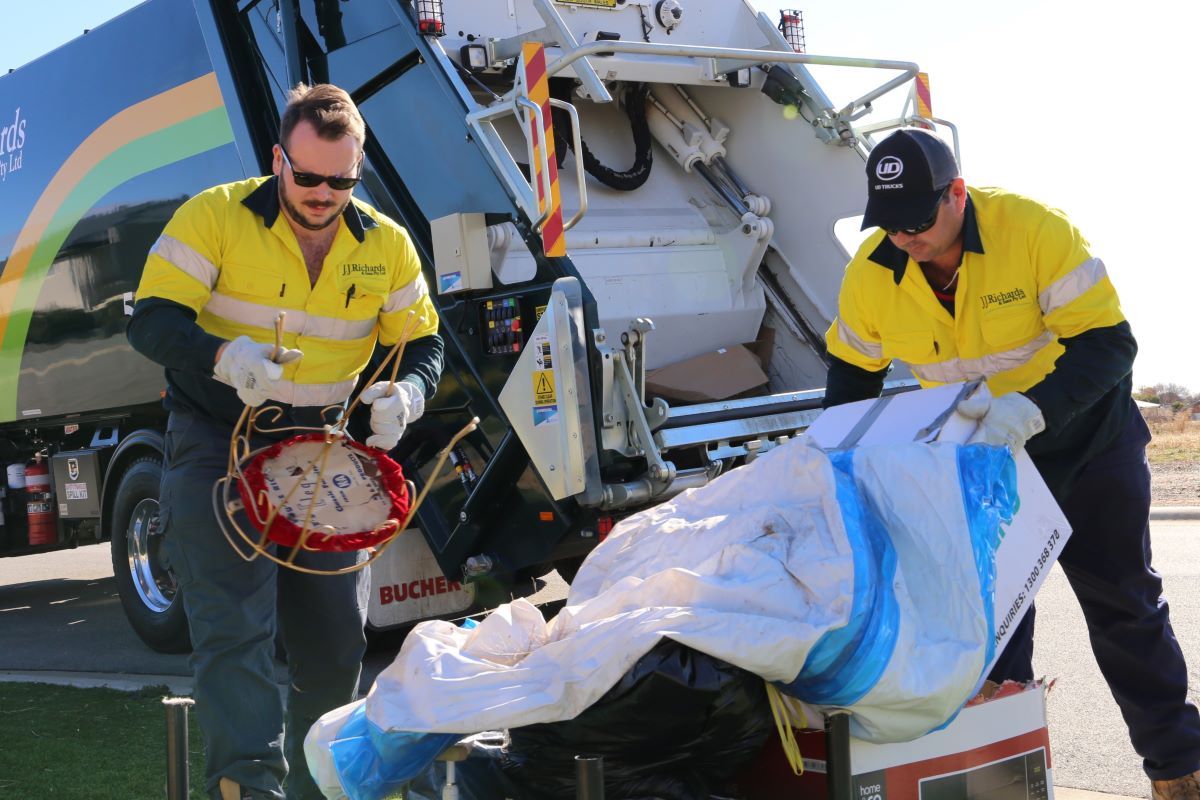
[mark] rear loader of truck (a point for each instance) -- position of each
(597, 188)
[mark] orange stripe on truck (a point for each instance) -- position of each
(533, 56)
(924, 101)
(155, 113)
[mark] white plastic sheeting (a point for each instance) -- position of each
(856, 579)
(751, 569)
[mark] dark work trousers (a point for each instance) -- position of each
(1107, 562)
(232, 605)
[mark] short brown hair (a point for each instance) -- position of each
(327, 108)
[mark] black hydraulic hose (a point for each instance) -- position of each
(635, 109)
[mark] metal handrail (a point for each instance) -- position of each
(580, 176)
(591, 81)
(914, 119)
(555, 30)
(547, 188)
(745, 57)
(724, 59)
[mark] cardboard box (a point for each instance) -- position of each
(998, 750)
(1039, 529)
(718, 375)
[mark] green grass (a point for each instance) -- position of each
(88, 744)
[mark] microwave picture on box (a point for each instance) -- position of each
(1021, 777)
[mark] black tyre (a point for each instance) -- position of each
(148, 589)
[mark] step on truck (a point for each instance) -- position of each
(598, 189)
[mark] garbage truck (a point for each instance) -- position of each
(626, 210)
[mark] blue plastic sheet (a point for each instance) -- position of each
(373, 764)
(846, 663)
(988, 477)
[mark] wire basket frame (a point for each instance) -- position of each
(791, 25)
(278, 495)
(431, 17)
(235, 494)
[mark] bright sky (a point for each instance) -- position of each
(1060, 100)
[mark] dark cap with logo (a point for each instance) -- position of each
(906, 174)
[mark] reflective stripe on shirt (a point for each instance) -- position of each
(310, 394)
(1071, 286)
(856, 343)
(299, 322)
(405, 297)
(954, 370)
(186, 259)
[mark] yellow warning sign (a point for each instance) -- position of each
(543, 388)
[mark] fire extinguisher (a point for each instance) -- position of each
(43, 517)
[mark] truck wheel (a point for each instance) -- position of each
(148, 589)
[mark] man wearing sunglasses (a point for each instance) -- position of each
(963, 283)
(349, 282)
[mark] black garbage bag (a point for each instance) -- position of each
(678, 726)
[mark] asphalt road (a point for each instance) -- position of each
(60, 612)
(1088, 740)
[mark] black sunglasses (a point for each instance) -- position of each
(924, 226)
(311, 180)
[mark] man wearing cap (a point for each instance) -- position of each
(963, 283)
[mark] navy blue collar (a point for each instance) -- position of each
(264, 201)
(893, 258)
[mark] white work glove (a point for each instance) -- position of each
(1009, 420)
(393, 406)
(246, 365)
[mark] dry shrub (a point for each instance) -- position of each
(1176, 439)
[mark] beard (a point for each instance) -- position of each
(306, 220)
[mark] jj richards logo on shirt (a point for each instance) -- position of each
(1001, 298)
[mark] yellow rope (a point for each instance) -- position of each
(787, 735)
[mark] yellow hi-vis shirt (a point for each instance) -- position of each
(231, 256)
(1028, 279)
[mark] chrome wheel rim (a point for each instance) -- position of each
(154, 583)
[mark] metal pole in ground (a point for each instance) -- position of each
(177, 746)
(589, 778)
